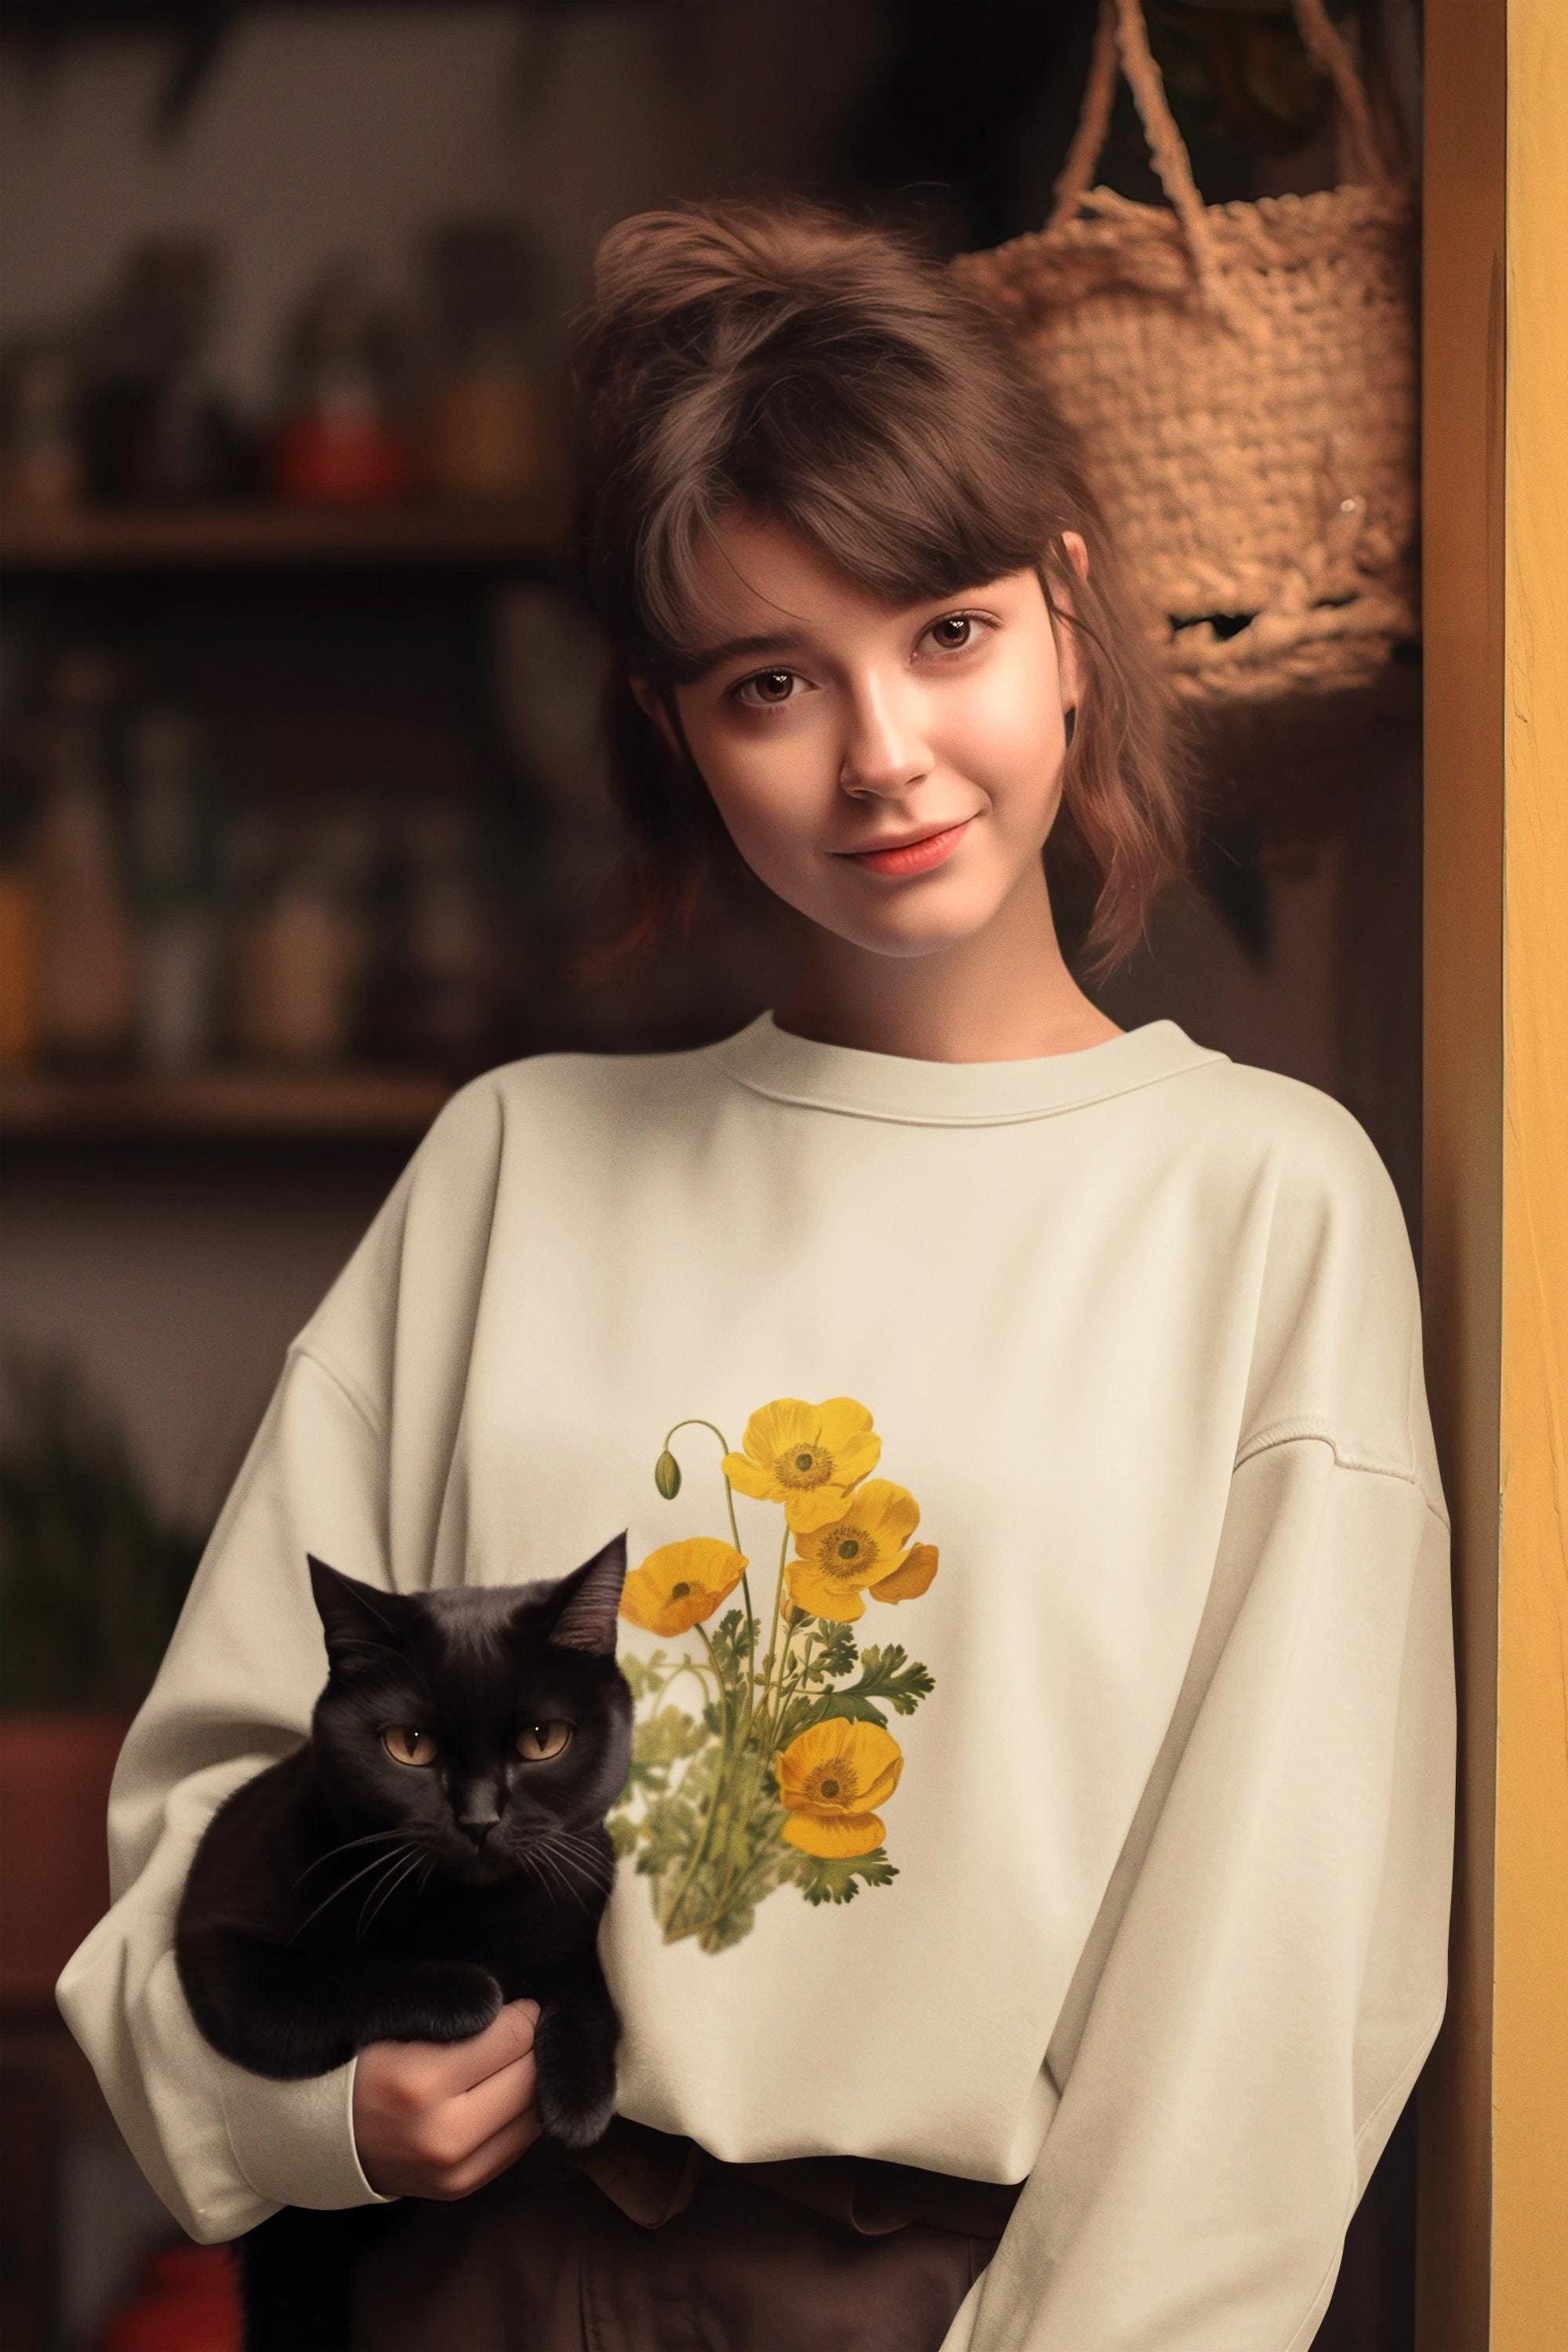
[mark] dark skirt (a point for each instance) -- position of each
(647, 2243)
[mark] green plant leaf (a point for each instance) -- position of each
(646, 1677)
(822, 1880)
(728, 1928)
(669, 1830)
(798, 1715)
(92, 1578)
(729, 1643)
(848, 1707)
(884, 1674)
(666, 1736)
(838, 1654)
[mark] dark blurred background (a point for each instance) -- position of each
(304, 813)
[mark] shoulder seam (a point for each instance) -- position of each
(1289, 1432)
(343, 1381)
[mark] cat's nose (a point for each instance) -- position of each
(479, 1825)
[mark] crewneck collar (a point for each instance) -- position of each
(791, 1068)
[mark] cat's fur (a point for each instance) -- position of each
(337, 1898)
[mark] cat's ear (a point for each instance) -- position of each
(581, 1611)
(357, 1619)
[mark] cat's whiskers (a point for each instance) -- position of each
(530, 1861)
(580, 1843)
(554, 1851)
(379, 1863)
(374, 1838)
(394, 1883)
(577, 1852)
(550, 1873)
(584, 1882)
(575, 1842)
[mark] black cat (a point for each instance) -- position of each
(436, 1848)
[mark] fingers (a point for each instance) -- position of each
(472, 2118)
(413, 2144)
(438, 2119)
(453, 2067)
(501, 2148)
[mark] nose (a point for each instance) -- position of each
(884, 751)
(476, 1809)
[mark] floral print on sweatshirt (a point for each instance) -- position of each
(762, 1760)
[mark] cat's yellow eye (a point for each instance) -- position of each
(540, 1741)
(406, 1745)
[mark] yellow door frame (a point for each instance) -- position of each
(1493, 2225)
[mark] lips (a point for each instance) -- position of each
(905, 841)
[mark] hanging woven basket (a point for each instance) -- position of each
(1243, 377)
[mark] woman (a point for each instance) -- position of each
(1024, 1416)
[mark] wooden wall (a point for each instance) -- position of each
(1494, 2173)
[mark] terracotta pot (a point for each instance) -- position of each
(188, 2301)
(55, 1772)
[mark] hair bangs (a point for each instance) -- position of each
(884, 498)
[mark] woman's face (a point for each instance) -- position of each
(828, 723)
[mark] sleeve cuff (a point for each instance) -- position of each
(294, 2141)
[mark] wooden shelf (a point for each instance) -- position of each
(263, 1106)
(234, 538)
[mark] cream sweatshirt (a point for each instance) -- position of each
(1038, 1621)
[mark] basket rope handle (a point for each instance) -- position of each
(1327, 45)
(1121, 44)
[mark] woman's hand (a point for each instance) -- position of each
(440, 2118)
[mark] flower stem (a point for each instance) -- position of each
(758, 1735)
(696, 1420)
(772, 1663)
(700, 1850)
(797, 1680)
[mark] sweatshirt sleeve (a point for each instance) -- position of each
(351, 1462)
(1268, 1968)
(225, 2147)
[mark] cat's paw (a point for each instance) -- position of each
(574, 2125)
(574, 2075)
(443, 2001)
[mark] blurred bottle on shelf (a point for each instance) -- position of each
(490, 426)
(43, 468)
(19, 941)
(302, 951)
(85, 938)
(175, 865)
(156, 432)
(250, 860)
(444, 941)
(431, 997)
(340, 439)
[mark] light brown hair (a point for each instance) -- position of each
(784, 357)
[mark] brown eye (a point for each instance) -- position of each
(765, 677)
(406, 1745)
(542, 1740)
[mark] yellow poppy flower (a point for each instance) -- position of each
(829, 1779)
(806, 1456)
(863, 1546)
(681, 1583)
(906, 1583)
